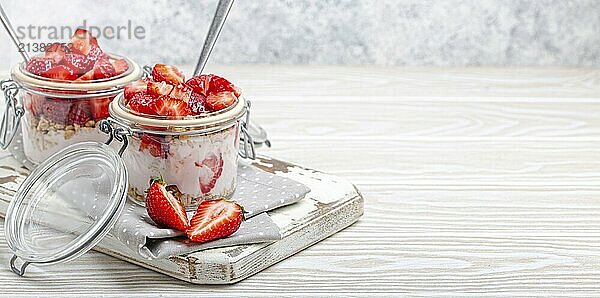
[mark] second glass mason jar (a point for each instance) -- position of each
(55, 114)
(198, 154)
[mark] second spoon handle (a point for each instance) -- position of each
(213, 33)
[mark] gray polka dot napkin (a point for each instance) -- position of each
(257, 191)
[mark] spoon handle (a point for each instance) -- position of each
(213, 33)
(13, 35)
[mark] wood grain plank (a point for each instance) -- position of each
(472, 165)
(320, 118)
(293, 80)
(478, 181)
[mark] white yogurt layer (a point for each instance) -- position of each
(39, 145)
(183, 165)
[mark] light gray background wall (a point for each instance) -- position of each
(382, 32)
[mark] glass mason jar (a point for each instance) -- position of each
(198, 154)
(71, 200)
(55, 114)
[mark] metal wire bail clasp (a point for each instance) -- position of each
(13, 267)
(247, 142)
(119, 133)
(12, 112)
(147, 71)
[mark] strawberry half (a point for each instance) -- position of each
(60, 72)
(164, 208)
(158, 89)
(38, 65)
(82, 42)
(206, 84)
(56, 51)
(215, 219)
(167, 73)
(79, 113)
(143, 103)
(220, 100)
(211, 169)
(79, 63)
(134, 88)
(167, 106)
(120, 66)
(155, 145)
(57, 110)
(99, 107)
(199, 84)
(88, 76)
(34, 103)
(181, 92)
(219, 84)
(103, 69)
(96, 54)
(197, 103)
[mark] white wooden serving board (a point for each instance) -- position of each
(332, 205)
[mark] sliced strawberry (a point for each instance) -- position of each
(82, 42)
(181, 92)
(197, 103)
(167, 73)
(134, 88)
(158, 89)
(57, 110)
(200, 84)
(210, 171)
(220, 100)
(215, 219)
(88, 76)
(37, 65)
(120, 66)
(34, 103)
(103, 69)
(56, 51)
(219, 84)
(164, 208)
(60, 72)
(80, 63)
(95, 54)
(99, 107)
(155, 145)
(167, 106)
(143, 103)
(79, 113)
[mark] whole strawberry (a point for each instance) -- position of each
(164, 208)
(215, 219)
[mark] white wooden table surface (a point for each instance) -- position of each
(476, 181)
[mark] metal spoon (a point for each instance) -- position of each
(213, 33)
(258, 134)
(12, 33)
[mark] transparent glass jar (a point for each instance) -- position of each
(198, 154)
(54, 114)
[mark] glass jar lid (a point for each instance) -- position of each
(66, 205)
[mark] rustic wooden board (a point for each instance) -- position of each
(332, 205)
